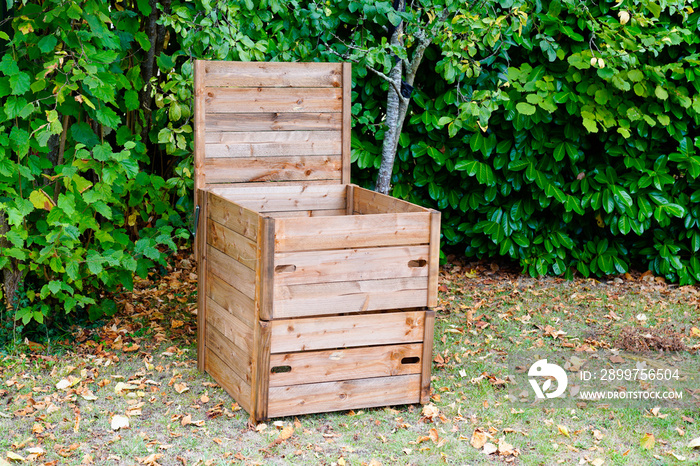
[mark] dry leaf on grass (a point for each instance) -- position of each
(490, 448)
(181, 387)
(563, 430)
(648, 441)
(119, 422)
(695, 443)
(598, 462)
(12, 456)
(479, 439)
(286, 433)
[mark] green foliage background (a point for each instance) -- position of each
(546, 131)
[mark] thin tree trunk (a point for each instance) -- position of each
(11, 276)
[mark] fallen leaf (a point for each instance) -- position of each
(647, 441)
(695, 332)
(479, 439)
(186, 420)
(598, 462)
(119, 422)
(12, 456)
(430, 411)
(563, 430)
(286, 433)
(695, 443)
(490, 448)
(505, 448)
(677, 456)
(181, 387)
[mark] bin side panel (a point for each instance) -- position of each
(343, 395)
(318, 333)
(344, 364)
(272, 74)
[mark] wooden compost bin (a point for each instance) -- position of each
(313, 292)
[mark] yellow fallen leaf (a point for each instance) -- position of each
(186, 420)
(181, 387)
(694, 443)
(695, 332)
(479, 439)
(563, 430)
(286, 433)
(12, 456)
(648, 441)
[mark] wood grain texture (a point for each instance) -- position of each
(272, 74)
(239, 219)
(427, 358)
(272, 100)
(289, 335)
(306, 299)
(199, 126)
(370, 202)
(343, 265)
(229, 380)
(231, 271)
(239, 360)
(232, 244)
(231, 327)
(271, 149)
(345, 364)
(313, 167)
(267, 264)
(268, 198)
(229, 298)
(434, 261)
(347, 121)
(343, 395)
(261, 362)
(202, 278)
(357, 231)
(274, 121)
(305, 213)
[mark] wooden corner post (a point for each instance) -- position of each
(347, 122)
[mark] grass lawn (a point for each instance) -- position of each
(61, 402)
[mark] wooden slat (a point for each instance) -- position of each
(229, 380)
(340, 297)
(277, 137)
(345, 364)
(229, 298)
(370, 202)
(246, 150)
(279, 100)
(199, 126)
(239, 219)
(280, 203)
(318, 121)
(231, 271)
(350, 331)
(266, 276)
(305, 213)
(261, 362)
(427, 358)
(272, 74)
(434, 261)
(349, 202)
(232, 244)
(391, 229)
(231, 327)
(316, 167)
(239, 360)
(347, 121)
(279, 191)
(202, 277)
(342, 265)
(338, 396)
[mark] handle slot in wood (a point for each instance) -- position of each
(418, 263)
(280, 369)
(410, 360)
(285, 268)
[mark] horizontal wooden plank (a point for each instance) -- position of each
(306, 213)
(232, 300)
(238, 359)
(278, 190)
(239, 219)
(269, 137)
(228, 379)
(230, 326)
(350, 331)
(345, 364)
(255, 184)
(279, 100)
(292, 198)
(272, 74)
(227, 170)
(273, 121)
(356, 231)
(231, 271)
(247, 150)
(232, 244)
(343, 265)
(356, 296)
(339, 396)
(371, 202)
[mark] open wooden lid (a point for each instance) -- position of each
(271, 122)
